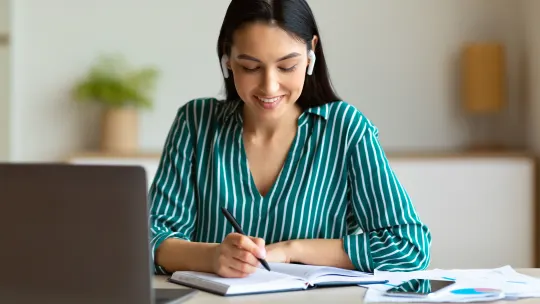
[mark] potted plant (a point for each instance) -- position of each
(121, 91)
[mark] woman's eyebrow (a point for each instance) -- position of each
(247, 57)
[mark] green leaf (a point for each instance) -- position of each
(113, 83)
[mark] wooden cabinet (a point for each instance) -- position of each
(481, 209)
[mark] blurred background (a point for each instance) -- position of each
(452, 85)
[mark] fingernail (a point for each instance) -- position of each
(262, 253)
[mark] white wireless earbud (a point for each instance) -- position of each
(224, 68)
(311, 56)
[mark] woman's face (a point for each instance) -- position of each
(269, 68)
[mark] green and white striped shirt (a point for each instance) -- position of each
(336, 182)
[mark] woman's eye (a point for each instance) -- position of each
(249, 70)
(291, 69)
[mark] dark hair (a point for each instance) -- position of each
(296, 18)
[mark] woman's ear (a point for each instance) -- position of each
(224, 66)
(314, 42)
(311, 65)
(311, 55)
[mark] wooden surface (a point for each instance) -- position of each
(109, 155)
(340, 295)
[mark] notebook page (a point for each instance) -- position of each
(340, 272)
(333, 274)
(296, 270)
(316, 274)
(258, 284)
(260, 281)
(259, 277)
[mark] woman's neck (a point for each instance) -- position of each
(269, 130)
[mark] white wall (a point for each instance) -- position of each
(395, 60)
(4, 83)
(55, 41)
(532, 69)
(398, 62)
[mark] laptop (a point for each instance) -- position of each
(76, 234)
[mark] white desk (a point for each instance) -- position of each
(341, 295)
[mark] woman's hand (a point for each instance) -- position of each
(281, 252)
(237, 256)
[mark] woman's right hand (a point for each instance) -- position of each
(236, 256)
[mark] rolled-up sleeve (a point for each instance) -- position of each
(393, 237)
(172, 199)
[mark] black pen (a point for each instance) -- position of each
(237, 228)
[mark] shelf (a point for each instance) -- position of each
(155, 155)
(394, 155)
(461, 154)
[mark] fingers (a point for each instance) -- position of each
(258, 241)
(236, 262)
(246, 243)
(241, 266)
(228, 272)
(238, 255)
(246, 257)
(233, 273)
(238, 251)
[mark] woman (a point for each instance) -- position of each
(301, 171)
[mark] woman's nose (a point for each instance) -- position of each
(270, 84)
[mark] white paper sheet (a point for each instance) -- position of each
(513, 285)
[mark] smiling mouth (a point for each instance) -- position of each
(270, 100)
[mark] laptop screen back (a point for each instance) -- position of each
(73, 234)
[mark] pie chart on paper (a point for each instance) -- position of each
(476, 291)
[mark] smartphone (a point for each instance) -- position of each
(418, 288)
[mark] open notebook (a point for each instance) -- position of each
(283, 277)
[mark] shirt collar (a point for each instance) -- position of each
(321, 111)
(231, 109)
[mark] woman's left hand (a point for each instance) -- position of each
(279, 252)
